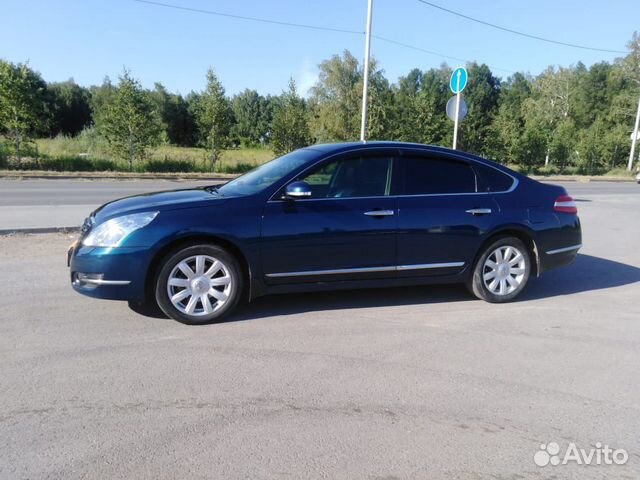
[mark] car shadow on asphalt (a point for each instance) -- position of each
(289, 304)
(586, 274)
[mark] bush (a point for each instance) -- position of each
(237, 168)
(77, 164)
(86, 142)
(550, 169)
(4, 155)
(620, 172)
(169, 166)
(553, 169)
(63, 163)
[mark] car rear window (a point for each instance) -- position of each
(427, 175)
(492, 180)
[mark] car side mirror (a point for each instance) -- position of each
(297, 190)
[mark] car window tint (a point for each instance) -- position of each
(351, 177)
(492, 180)
(322, 176)
(426, 175)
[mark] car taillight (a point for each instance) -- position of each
(565, 204)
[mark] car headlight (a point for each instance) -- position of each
(112, 232)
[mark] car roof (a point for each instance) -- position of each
(326, 148)
(333, 148)
(346, 146)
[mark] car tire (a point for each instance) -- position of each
(501, 271)
(199, 284)
(147, 308)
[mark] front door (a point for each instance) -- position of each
(344, 231)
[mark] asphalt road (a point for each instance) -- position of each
(383, 384)
(81, 192)
(65, 203)
(56, 203)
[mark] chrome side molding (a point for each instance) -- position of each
(565, 249)
(395, 268)
(425, 266)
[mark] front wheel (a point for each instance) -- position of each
(502, 271)
(199, 284)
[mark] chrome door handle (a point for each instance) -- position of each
(479, 211)
(379, 213)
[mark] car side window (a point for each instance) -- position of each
(492, 180)
(431, 175)
(359, 176)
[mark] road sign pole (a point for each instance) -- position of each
(455, 122)
(457, 110)
(634, 139)
(365, 86)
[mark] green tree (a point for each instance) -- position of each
(630, 68)
(481, 95)
(214, 117)
(509, 123)
(380, 113)
(252, 118)
(70, 106)
(433, 126)
(550, 104)
(407, 127)
(290, 129)
(592, 93)
(336, 99)
(561, 147)
(532, 146)
(22, 103)
(101, 96)
(631, 63)
(178, 121)
(129, 122)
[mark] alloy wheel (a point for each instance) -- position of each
(504, 270)
(199, 285)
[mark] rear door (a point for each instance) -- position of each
(442, 216)
(345, 231)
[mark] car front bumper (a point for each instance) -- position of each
(109, 273)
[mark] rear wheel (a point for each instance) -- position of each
(502, 271)
(199, 284)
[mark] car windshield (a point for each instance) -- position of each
(266, 175)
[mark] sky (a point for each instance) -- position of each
(89, 39)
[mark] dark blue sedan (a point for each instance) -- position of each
(339, 216)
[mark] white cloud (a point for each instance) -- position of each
(307, 77)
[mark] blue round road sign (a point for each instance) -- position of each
(458, 80)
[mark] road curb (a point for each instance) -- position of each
(32, 230)
(37, 175)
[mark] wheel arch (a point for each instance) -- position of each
(522, 234)
(197, 239)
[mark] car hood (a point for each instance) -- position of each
(161, 201)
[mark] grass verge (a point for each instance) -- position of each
(85, 153)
